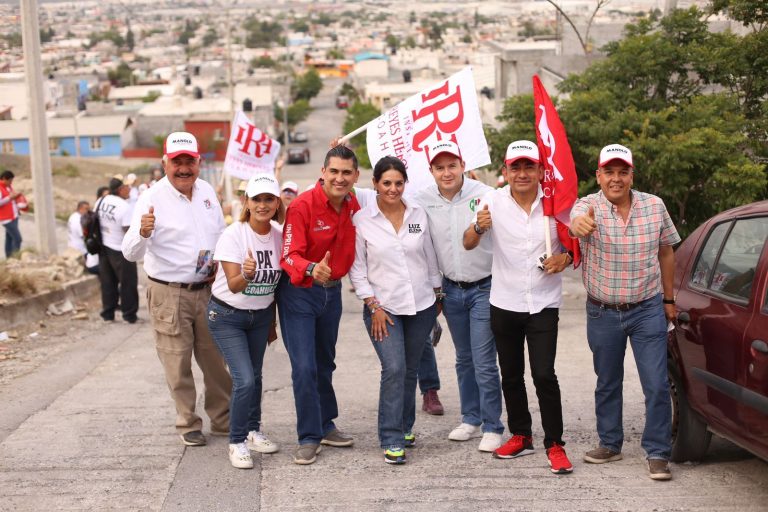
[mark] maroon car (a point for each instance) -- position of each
(718, 350)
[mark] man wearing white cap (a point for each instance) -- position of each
(627, 238)
(288, 192)
(133, 193)
(175, 227)
(451, 204)
(525, 299)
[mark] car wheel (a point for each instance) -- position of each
(690, 437)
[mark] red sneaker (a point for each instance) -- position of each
(558, 460)
(431, 403)
(517, 446)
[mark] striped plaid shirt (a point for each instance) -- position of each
(621, 261)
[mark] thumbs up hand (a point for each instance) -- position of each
(147, 223)
(249, 266)
(322, 271)
(584, 225)
(484, 218)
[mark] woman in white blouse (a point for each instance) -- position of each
(395, 273)
(241, 310)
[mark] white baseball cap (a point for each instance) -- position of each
(262, 184)
(181, 143)
(443, 146)
(130, 179)
(522, 149)
(290, 185)
(615, 152)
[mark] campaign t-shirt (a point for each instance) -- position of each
(114, 218)
(233, 247)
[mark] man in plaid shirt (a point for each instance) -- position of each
(627, 240)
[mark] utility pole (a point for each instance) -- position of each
(227, 180)
(39, 158)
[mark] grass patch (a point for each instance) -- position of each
(69, 170)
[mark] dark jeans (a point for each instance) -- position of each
(309, 323)
(511, 329)
(428, 376)
(119, 280)
(12, 237)
(241, 336)
(399, 354)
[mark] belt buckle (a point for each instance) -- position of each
(176, 285)
(331, 284)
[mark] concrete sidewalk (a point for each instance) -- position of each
(107, 442)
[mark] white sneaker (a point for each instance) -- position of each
(490, 442)
(239, 456)
(258, 442)
(464, 432)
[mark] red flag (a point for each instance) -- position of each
(560, 184)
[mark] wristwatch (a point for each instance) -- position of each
(478, 229)
(309, 270)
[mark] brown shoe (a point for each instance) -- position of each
(194, 438)
(337, 438)
(601, 455)
(658, 469)
(431, 403)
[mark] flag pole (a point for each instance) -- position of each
(358, 131)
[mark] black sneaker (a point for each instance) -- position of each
(194, 438)
(394, 455)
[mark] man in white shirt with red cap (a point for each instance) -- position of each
(526, 294)
(175, 227)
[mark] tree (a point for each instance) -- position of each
(298, 111)
(348, 90)
(262, 34)
(583, 40)
(120, 76)
(653, 93)
(210, 37)
(334, 53)
(263, 61)
(358, 115)
(307, 86)
(410, 42)
(392, 42)
(300, 25)
(130, 40)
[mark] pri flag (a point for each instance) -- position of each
(448, 111)
(560, 184)
(250, 150)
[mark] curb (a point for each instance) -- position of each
(32, 309)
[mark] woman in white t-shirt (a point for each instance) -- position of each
(241, 311)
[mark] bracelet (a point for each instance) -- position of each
(668, 301)
(373, 305)
(478, 229)
(247, 279)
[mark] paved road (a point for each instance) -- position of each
(92, 430)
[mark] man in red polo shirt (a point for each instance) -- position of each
(318, 250)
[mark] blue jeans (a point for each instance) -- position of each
(241, 336)
(607, 332)
(399, 354)
(468, 313)
(309, 323)
(428, 376)
(12, 237)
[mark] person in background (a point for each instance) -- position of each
(288, 192)
(318, 250)
(627, 241)
(9, 213)
(133, 191)
(241, 310)
(175, 227)
(526, 294)
(395, 273)
(118, 276)
(75, 237)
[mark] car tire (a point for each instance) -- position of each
(690, 437)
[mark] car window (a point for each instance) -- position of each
(702, 275)
(735, 270)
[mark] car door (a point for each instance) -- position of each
(756, 369)
(720, 298)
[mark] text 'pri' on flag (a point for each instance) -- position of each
(250, 150)
(560, 184)
(447, 111)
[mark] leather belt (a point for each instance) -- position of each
(614, 307)
(186, 286)
(464, 284)
(328, 284)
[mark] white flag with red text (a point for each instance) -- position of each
(447, 111)
(250, 150)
